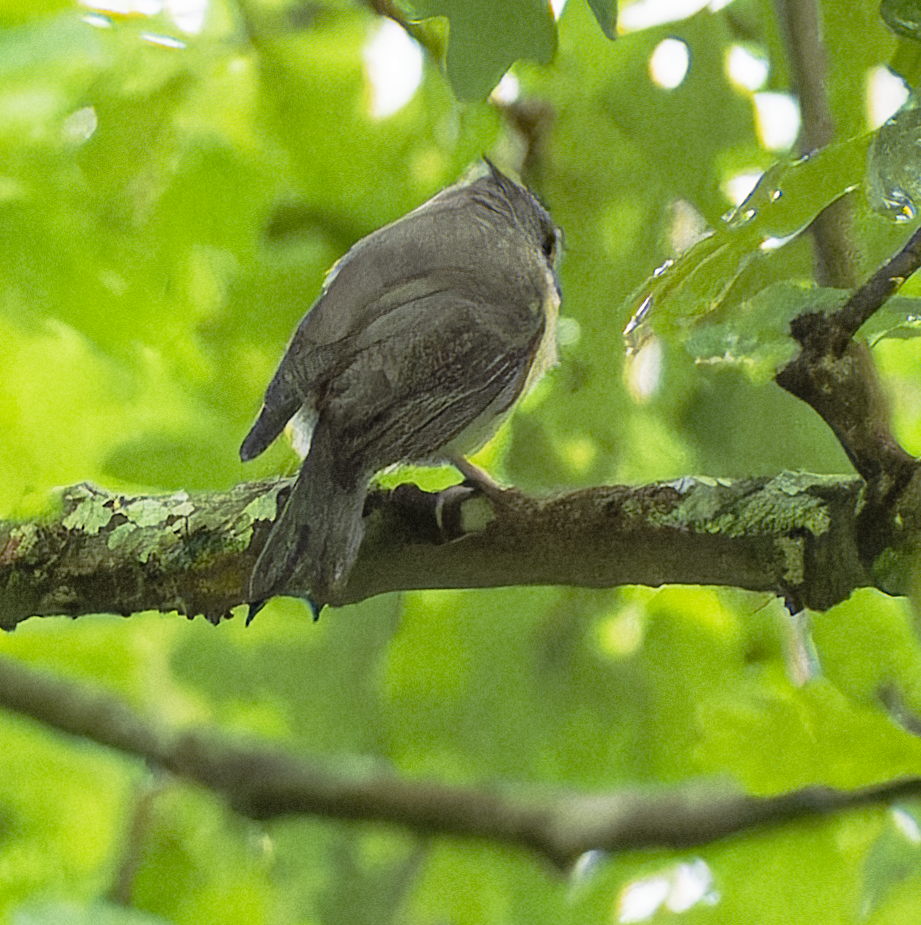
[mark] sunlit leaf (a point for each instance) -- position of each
(787, 198)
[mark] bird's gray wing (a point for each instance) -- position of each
(308, 366)
(300, 371)
(425, 374)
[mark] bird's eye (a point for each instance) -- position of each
(548, 245)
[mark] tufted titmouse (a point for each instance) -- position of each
(425, 334)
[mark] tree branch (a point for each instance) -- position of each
(878, 289)
(263, 782)
(835, 263)
(101, 552)
(836, 376)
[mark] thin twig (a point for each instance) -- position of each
(877, 290)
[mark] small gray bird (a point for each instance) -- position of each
(425, 334)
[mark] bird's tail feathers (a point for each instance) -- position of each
(314, 542)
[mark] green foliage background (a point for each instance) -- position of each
(167, 215)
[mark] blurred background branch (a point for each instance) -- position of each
(263, 783)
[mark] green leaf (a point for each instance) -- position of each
(756, 337)
(606, 13)
(898, 319)
(906, 61)
(893, 184)
(20, 11)
(903, 17)
(486, 38)
(787, 198)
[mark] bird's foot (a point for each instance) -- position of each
(477, 478)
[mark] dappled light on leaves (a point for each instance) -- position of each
(620, 635)
(746, 68)
(886, 93)
(393, 62)
(188, 15)
(644, 369)
(645, 13)
(669, 63)
(778, 120)
(80, 126)
(677, 890)
(739, 186)
(687, 226)
(507, 90)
